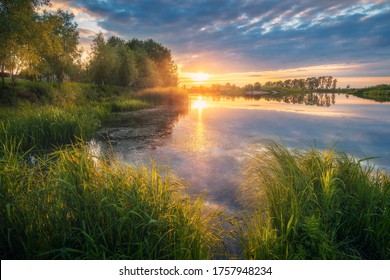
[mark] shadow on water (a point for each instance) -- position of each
(139, 130)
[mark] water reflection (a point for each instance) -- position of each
(200, 140)
(139, 130)
(208, 142)
(310, 99)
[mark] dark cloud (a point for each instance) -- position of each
(249, 35)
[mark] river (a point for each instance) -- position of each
(208, 143)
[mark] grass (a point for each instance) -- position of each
(315, 205)
(48, 127)
(43, 115)
(70, 205)
(58, 201)
(128, 105)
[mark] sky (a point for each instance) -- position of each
(247, 41)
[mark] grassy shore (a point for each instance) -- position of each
(315, 205)
(380, 93)
(71, 205)
(59, 201)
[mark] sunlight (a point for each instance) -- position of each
(199, 104)
(199, 76)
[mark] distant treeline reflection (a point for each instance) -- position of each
(310, 99)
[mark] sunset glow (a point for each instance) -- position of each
(199, 76)
(253, 41)
(199, 104)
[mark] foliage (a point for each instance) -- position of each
(139, 64)
(42, 45)
(313, 205)
(45, 46)
(379, 93)
(71, 205)
(60, 51)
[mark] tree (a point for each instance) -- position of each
(60, 39)
(334, 84)
(17, 28)
(147, 71)
(103, 61)
(166, 68)
(127, 71)
(257, 86)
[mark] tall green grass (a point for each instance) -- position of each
(47, 127)
(127, 105)
(71, 205)
(315, 205)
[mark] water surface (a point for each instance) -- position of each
(207, 144)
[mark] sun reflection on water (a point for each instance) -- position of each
(199, 104)
(200, 141)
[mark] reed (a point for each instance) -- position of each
(47, 127)
(128, 105)
(315, 205)
(71, 205)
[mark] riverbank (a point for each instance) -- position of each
(59, 200)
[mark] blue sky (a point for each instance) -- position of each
(253, 40)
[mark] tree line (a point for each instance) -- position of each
(311, 83)
(44, 46)
(135, 63)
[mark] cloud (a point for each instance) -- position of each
(250, 35)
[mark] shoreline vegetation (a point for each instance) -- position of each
(59, 201)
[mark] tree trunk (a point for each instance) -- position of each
(2, 79)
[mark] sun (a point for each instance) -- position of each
(199, 104)
(199, 76)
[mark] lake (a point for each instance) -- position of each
(208, 143)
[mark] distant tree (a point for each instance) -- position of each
(279, 84)
(334, 84)
(248, 87)
(287, 83)
(329, 81)
(257, 86)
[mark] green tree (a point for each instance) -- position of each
(103, 62)
(18, 34)
(126, 68)
(166, 68)
(59, 45)
(147, 71)
(59, 48)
